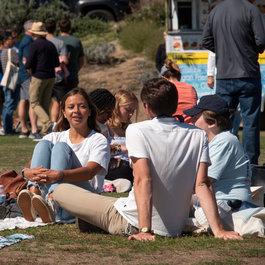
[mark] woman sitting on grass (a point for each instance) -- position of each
(76, 153)
(104, 101)
(125, 106)
(187, 95)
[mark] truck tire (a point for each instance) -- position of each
(101, 14)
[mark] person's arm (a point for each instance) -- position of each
(64, 54)
(44, 176)
(258, 27)
(81, 62)
(210, 82)
(64, 59)
(143, 197)
(206, 197)
(14, 57)
(30, 57)
(211, 69)
(207, 36)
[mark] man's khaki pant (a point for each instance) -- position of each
(40, 94)
(93, 208)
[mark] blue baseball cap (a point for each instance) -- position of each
(210, 102)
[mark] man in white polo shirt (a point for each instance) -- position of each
(168, 158)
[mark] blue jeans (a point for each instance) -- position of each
(57, 157)
(11, 101)
(247, 92)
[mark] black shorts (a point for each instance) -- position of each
(60, 89)
(123, 170)
(2, 95)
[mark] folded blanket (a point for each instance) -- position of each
(13, 239)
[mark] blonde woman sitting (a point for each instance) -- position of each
(119, 167)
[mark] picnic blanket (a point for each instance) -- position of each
(19, 222)
(248, 220)
(13, 239)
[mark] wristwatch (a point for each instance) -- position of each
(23, 174)
(145, 230)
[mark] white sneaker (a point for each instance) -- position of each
(24, 202)
(46, 209)
(121, 185)
(2, 131)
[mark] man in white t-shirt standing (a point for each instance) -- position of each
(168, 159)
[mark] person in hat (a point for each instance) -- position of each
(229, 170)
(41, 61)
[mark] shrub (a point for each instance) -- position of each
(55, 9)
(13, 14)
(149, 10)
(100, 53)
(82, 26)
(140, 36)
(147, 75)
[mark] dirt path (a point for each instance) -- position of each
(124, 74)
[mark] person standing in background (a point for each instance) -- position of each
(75, 53)
(2, 95)
(235, 32)
(11, 97)
(59, 89)
(161, 54)
(24, 108)
(42, 59)
(211, 73)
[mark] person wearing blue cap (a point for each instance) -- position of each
(229, 171)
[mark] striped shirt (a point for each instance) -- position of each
(4, 58)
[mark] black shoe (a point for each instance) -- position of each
(23, 135)
(38, 137)
(86, 227)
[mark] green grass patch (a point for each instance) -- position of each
(64, 244)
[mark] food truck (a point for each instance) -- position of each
(185, 20)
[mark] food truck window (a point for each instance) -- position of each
(184, 10)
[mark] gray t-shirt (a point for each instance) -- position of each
(62, 51)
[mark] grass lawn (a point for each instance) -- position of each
(64, 244)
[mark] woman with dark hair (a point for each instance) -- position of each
(76, 153)
(104, 101)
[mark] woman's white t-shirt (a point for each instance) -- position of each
(94, 148)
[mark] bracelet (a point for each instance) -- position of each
(62, 176)
(23, 174)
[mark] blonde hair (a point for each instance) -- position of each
(172, 71)
(123, 98)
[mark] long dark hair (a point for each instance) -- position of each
(63, 123)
